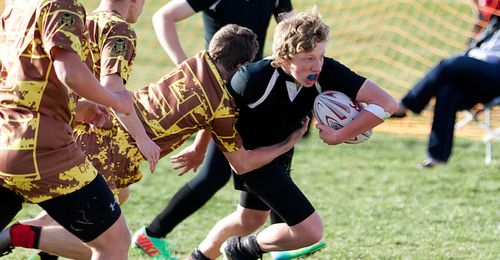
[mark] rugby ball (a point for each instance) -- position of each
(336, 109)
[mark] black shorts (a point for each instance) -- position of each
(87, 212)
(10, 205)
(271, 188)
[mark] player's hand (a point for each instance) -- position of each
(151, 151)
(101, 118)
(329, 135)
(124, 102)
(91, 113)
(187, 159)
(297, 134)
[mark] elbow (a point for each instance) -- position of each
(67, 76)
(157, 19)
(392, 106)
(161, 18)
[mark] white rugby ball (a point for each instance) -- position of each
(336, 109)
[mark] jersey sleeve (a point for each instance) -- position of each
(63, 26)
(224, 131)
(282, 7)
(336, 76)
(118, 52)
(200, 5)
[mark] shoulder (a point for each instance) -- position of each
(337, 76)
(253, 74)
(111, 24)
(69, 9)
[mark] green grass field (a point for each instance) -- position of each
(374, 202)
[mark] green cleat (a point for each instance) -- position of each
(297, 253)
(157, 248)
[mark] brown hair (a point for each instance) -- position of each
(233, 46)
(297, 33)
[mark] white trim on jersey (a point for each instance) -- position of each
(318, 87)
(293, 91)
(269, 87)
(214, 5)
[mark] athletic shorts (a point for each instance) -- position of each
(11, 203)
(271, 188)
(86, 213)
(47, 187)
(112, 152)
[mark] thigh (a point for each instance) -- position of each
(11, 205)
(86, 213)
(251, 201)
(274, 187)
(474, 77)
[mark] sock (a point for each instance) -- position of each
(198, 255)
(46, 256)
(25, 236)
(249, 243)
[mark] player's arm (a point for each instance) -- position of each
(164, 25)
(133, 125)
(243, 161)
(74, 74)
(380, 105)
(193, 155)
(284, 9)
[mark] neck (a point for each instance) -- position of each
(119, 6)
(224, 73)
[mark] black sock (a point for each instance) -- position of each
(198, 255)
(249, 243)
(183, 204)
(46, 256)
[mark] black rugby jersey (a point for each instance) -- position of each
(253, 14)
(271, 107)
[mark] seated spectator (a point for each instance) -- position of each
(457, 83)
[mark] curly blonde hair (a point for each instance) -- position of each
(297, 33)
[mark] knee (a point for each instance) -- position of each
(311, 229)
(118, 233)
(313, 235)
(253, 219)
(253, 223)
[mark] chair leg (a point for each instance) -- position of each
(468, 116)
(487, 120)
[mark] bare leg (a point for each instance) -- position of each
(280, 237)
(42, 220)
(113, 243)
(58, 241)
(241, 222)
(123, 195)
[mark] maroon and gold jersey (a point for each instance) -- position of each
(38, 156)
(188, 99)
(112, 44)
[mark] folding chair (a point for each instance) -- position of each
(490, 134)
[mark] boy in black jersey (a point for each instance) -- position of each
(274, 96)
